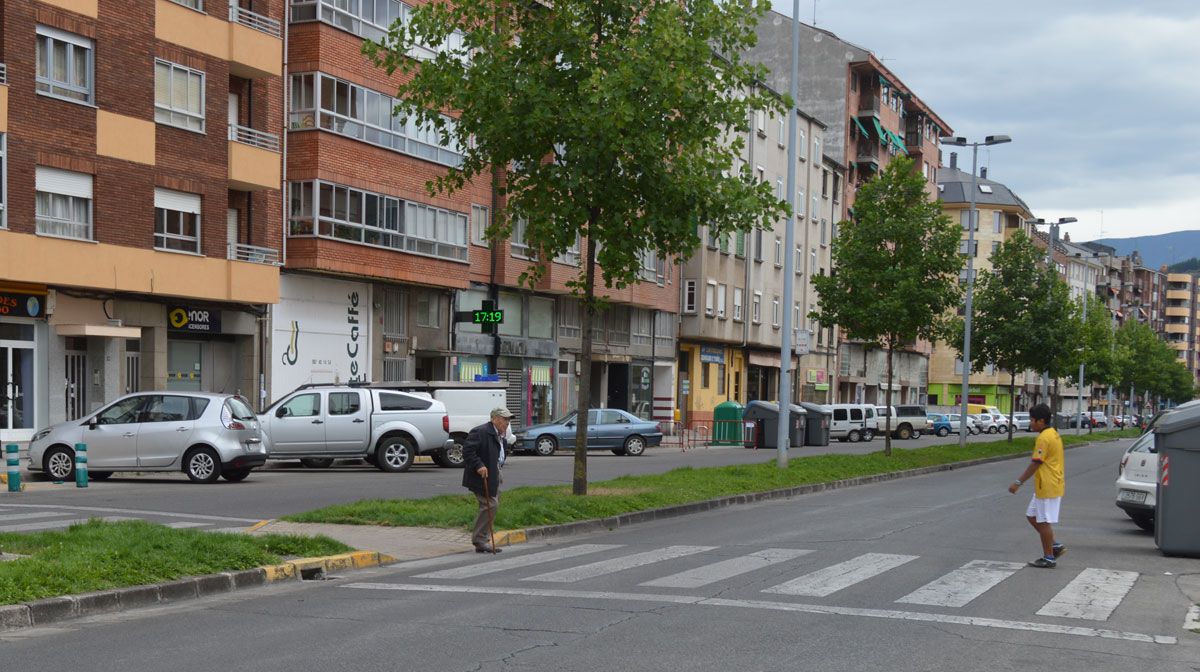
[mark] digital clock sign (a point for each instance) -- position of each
(487, 316)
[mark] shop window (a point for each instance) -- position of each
(511, 304)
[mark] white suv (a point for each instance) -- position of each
(1137, 481)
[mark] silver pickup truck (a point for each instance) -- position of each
(387, 428)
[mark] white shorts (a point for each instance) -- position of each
(1044, 510)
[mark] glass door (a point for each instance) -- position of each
(17, 397)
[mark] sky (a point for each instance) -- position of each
(1101, 97)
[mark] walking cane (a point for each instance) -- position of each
(491, 521)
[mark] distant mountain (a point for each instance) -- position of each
(1188, 266)
(1166, 248)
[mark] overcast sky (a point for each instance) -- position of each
(1101, 97)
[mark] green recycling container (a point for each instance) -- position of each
(727, 424)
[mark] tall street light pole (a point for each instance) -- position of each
(783, 437)
(972, 224)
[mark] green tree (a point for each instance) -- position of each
(896, 263)
(607, 119)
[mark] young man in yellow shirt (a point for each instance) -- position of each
(1049, 484)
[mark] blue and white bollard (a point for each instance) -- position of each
(14, 467)
(81, 476)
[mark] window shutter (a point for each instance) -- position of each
(65, 182)
(177, 200)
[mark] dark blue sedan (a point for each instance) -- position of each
(608, 429)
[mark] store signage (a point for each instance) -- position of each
(22, 305)
(712, 355)
(194, 320)
(321, 332)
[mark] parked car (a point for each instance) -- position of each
(1073, 420)
(1137, 481)
(980, 423)
(1021, 421)
(206, 436)
(907, 421)
(608, 428)
(944, 424)
(852, 422)
(320, 423)
(1098, 419)
(468, 404)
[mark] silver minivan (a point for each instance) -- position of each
(206, 436)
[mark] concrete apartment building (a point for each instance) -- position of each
(733, 287)
(376, 267)
(1182, 319)
(1001, 213)
(139, 200)
(871, 116)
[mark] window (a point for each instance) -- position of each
(816, 156)
(782, 131)
(796, 317)
(995, 247)
(800, 203)
(689, 296)
(739, 248)
(171, 408)
(710, 234)
(344, 403)
(798, 261)
(395, 401)
(801, 143)
(65, 65)
(997, 222)
(760, 119)
(3, 181)
(710, 293)
(985, 188)
(775, 312)
(721, 301)
(541, 318)
(520, 248)
(369, 19)
(958, 366)
(824, 183)
(816, 208)
(758, 244)
(571, 256)
(705, 377)
(964, 219)
(301, 406)
(481, 219)
(962, 247)
(569, 325)
(641, 326)
(63, 203)
(429, 310)
(778, 251)
(121, 413)
(779, 187)
(176, 221)
(720, 378)
(197, 5)
(756, 308)
(737, 304)
(837, 187)
(824, 226)
(178, 96)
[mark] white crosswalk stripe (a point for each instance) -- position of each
(183, 525)
(962, 585)
(43, 525)
(603, 567)
(511, 563)
(5, 517)
(1092, 595)
(830, 580)
(726, 569)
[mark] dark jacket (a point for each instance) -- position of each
(482, 449)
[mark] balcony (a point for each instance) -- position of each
(249, 41)
(1178, 311)
(868, 106)
(253, 254)
(1176, 328)
(1178, 295)
(262, 24)
(254, 163)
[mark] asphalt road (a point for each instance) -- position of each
(922, 574)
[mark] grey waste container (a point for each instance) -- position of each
(765, 415)
(816, 431)
(1176, 525)
(798, 419)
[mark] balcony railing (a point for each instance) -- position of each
(868, 105)
(262, 24)
(3, 73)
(249, 136)
(253, 254)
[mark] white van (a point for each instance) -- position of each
(852, 422)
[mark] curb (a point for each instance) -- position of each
(70, 607)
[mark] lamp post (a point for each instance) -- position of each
(972, 223)
(783, 437)
(1050, 264)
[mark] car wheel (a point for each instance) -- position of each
(868, 435)
(99, 475)
(942, 431)
(1144, 522)
(59, 464)
(395, 454)
(202, 465)
(853, 436)
(905, 432)
(916, 434)
(635, 445)
(452, 457)
(317, 462)
(235, 475)
(545, 445)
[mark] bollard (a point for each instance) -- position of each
(14, 467)
(81, 476)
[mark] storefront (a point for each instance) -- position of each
(23, 379)
(211, 350)
(321, 333)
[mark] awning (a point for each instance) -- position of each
(539, 374)
(468, 370)
(862, 129)
(768, 359)
(100, 330)
(899, 141)
(883, 135)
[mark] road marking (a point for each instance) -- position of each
(44, 525)
(577, 595)
(828, 581)
(962, 585)
(1093, 595)
(27, 516)
(479, 569)
(1192, 622)
(592, 570)
(183, 525)
(136, 512)
(725, 569)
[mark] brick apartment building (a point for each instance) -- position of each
(376, 267)
(139, 199)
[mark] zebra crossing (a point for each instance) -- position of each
(1089, 596)
(40, 518)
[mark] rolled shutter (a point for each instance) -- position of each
(177, 200)
(65, 182)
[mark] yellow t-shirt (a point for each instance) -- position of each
(1048, 480)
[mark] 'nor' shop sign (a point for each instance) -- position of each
(194, 320)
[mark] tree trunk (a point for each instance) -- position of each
(1012, 402)
(887, 403)
(579, 481)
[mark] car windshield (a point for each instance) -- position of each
(569, 417)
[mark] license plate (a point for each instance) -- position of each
(1132, 496)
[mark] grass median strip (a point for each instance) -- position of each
(533, 506)
(99, 555)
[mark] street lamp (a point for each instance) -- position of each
(972, 222)
(1050, 264)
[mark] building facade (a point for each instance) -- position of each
(139, 183)
(1182, 317)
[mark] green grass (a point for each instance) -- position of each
(99, 555)
(532, 506)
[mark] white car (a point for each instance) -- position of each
(983, 423)
(999, 422)
(1137, 481)
(1021, 421)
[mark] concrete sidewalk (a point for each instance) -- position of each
(402, 543)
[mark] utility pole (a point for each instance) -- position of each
(784, 437)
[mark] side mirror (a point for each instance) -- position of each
(92, 424)
(570, 423)
(282, 412)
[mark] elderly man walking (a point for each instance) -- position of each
(483, 454)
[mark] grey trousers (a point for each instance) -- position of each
(479, 537)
